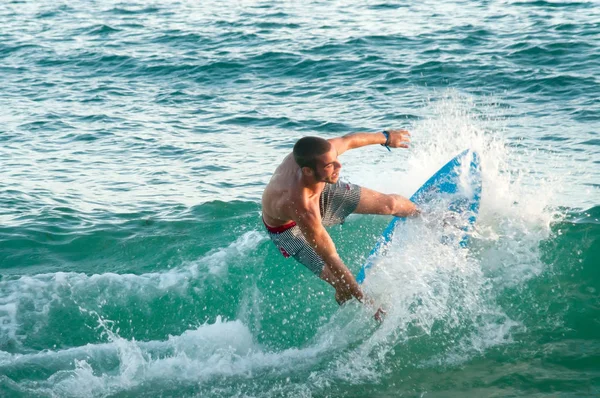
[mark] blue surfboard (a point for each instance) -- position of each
(456, 186)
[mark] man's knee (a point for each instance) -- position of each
(403, 207)
(391, 204)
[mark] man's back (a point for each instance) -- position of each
(282, 193)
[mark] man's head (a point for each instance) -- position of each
(317, 158)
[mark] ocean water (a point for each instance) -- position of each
(136, 138)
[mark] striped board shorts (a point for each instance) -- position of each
(337, 202)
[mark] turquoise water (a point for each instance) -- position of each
(136, 139)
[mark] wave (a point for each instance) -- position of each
(451, 306)
(211, 351)
(31, 306)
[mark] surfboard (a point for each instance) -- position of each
(456, 187)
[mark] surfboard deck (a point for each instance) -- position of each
(457, 187)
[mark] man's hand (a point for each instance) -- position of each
(370, 303)
(380, 315)
(398, 138)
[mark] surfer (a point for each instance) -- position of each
(305, 195)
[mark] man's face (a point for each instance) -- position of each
(328, 167)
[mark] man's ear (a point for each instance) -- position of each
(307, 171)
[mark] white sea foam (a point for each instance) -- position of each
(28, 299)
(220, 349)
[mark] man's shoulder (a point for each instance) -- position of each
(304, 208)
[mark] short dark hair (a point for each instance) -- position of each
(307, 149)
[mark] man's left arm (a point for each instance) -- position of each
(397, 139)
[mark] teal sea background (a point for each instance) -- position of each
(136, 138)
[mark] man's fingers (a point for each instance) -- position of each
(399, 144)
(399, 137)
(400, 131)
(380, 315)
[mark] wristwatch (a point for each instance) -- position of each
(387, 140)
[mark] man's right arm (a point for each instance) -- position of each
(318, 238)
(397, 139)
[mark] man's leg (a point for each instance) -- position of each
(373, 202)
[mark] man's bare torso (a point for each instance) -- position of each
(285, 195)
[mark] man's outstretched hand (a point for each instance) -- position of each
(398, 138)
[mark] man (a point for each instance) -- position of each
(305, 195)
